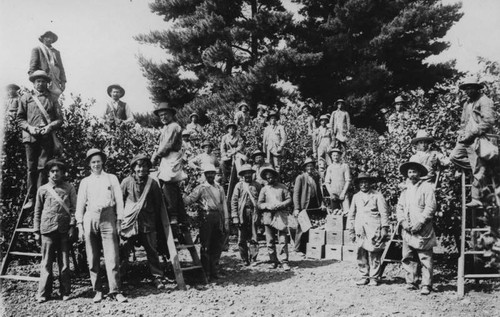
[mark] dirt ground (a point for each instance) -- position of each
(311, 288)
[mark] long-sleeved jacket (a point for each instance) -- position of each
(209, 201)
(303, 191)
(431, 160)
(274, 197)
(367, 215)
(478, 117)
(39, 62)
(241, 198)
(417, 205)
(49, 214)
(170, 139)
(28, 114)
(230, 145)
(150, 211)
(340, 123)
(274, 139)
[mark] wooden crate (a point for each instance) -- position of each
(349, 253)
(347, 239)
(335, 223)
(333, 252)
(315, 251)
(317, 236)
(334, 237)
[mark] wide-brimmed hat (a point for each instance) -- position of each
(364, 176)
(324, 117)
(186, 132)
(413, 165)
(268, 169)
(55, 162)
(243, 104)
(13, 86)
(471, 82)
(93, 152)
(257, 153)
(231, 125)
(273, 114)
(422, 135)
(340, 101)
(116, 86)
(194, 114)
(308, 160)
(162, 107)
(261, 106)
(206, 143)
(39, 74)
(50, 34)
(334, 149)
(139, 157)
(399, 99)
(208, 168)
(245, 168)
(306, 105)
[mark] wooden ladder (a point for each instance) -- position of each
(179, 238)
(393, 252)
(13, 252)
(469, 238)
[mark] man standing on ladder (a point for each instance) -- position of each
(415, 210)
(478, 117)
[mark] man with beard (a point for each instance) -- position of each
(142, 213)
(214, 219)
(274, 201)
(244, 213)
(368, 223)
(415, 210)
(478, 118)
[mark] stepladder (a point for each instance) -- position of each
(478, 223)
(393, 251)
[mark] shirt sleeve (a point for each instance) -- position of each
(81, 201)
(171, 134)
(72, 203)
(297, 189)
(261, 203)
(128, 113)
(194, 196)
(351, 217)
(40, 200)
(283, 136)
(383, 209)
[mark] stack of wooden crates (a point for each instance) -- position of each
(331, 242)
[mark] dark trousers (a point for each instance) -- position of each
(211, 240)
(175, 204)
(37, 154)
(54, 245)
(247, 236)
(149, 241)
(412, 258)
(226, 167)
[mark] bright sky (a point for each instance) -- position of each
(97, 48)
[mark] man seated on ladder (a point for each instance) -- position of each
(143, 208)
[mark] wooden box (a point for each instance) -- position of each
(333, 252)
(347, 239)
(317, 236)
(334, 237)
(335, 223)
(349, 253)
(315, 251)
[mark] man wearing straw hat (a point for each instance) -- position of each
(415, 211)
(274, 202)
(322, 142)
(274, 140)
(46, 58)
(204, 158)
(214, 220)
(258, 158)
(193, 126)
(170, 154)
(244, 213)
(242, 116)
(116, 110)
(340, 123)
(231, 146)
(431, 159)
(368, 225)
(307, 195)
(478, 118)
(38, 116)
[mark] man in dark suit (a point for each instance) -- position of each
(47, 58)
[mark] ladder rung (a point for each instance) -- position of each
(32, 230)
(391, 261)
(474, 252)
(20, 277)
(25, 253)
(184, 246)
(189, 268)
(477, 229)
(496, 275)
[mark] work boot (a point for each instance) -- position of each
(285, 266)
(362, 281)
(474, 203)
(273, 266)
(41, 299)
(65, 298)
(29, 204)
(97, 297)
(426, 290)
(411, 286)
(120, 298)
(373, 282)
(158, 283)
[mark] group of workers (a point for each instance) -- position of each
(113, 216)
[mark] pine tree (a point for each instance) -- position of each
(234, 48)
(372, 50)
